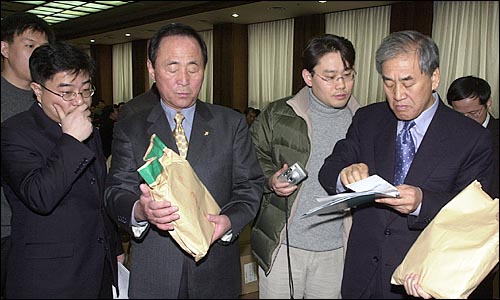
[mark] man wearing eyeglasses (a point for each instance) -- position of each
(63, 243)
(298, 257)
(471, 96)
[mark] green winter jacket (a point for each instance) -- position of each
(281, 134)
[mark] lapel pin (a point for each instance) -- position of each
(206, 133)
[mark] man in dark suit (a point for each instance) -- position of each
(220, 152)
(451, 152)
(63, 243)
(471, 96)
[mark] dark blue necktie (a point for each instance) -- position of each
(405, 150)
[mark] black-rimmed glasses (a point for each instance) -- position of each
(70, 96)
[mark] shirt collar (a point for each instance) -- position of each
(187, 112)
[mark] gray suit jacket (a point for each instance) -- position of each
(222, 155)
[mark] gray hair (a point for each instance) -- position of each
(404, 42)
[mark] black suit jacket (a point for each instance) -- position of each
(454, 152)
(493, 128)
(222, 155)
(61, 235)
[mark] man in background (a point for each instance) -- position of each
(471, 96)
(21, 34)
(250, 114)
(303, 128)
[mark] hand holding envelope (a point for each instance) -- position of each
(457, 250)
(171, 177)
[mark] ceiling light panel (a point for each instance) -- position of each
(60, 11)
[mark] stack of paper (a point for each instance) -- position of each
(365, 191)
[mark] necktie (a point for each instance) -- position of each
(405, 150)
(180, 135)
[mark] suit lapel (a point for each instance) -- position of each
(430, 150)
(200, 133)
(385, 151)
(385, 154)
(160, 126)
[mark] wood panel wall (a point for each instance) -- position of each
(103, 56)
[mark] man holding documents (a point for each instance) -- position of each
(216, 143)
(413, 140)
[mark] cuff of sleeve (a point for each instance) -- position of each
(138, 228)
(226, 238)
(416, 212)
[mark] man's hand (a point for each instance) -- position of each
(159, 213)
(281, 188)
(353, 173)
(222, 225)
(76, 123)
(409, 199)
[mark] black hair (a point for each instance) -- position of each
(469, 87)
(50, 59)
(319, 46)
(18, 23)
(174, 29)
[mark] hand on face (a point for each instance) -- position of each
(77, 122)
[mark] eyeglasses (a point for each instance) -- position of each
(70, 96)
(475, 113)
(347, 76)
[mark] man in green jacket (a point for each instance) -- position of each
(303, 258)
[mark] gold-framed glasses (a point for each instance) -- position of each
(346, 76)
(70, 96)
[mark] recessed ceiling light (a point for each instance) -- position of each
(127, 34)
(235, 15)
(322, 1)
(92, 41)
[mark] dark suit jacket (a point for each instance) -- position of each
(454, 152)
(222, 155)
(493, 128)
(61, 234)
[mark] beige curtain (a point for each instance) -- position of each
(270, 62)
(466, 33)
(122, 72)
(206, 92)
(365, 28)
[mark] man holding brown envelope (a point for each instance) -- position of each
(215, 142)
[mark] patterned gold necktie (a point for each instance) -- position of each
(180, 135)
